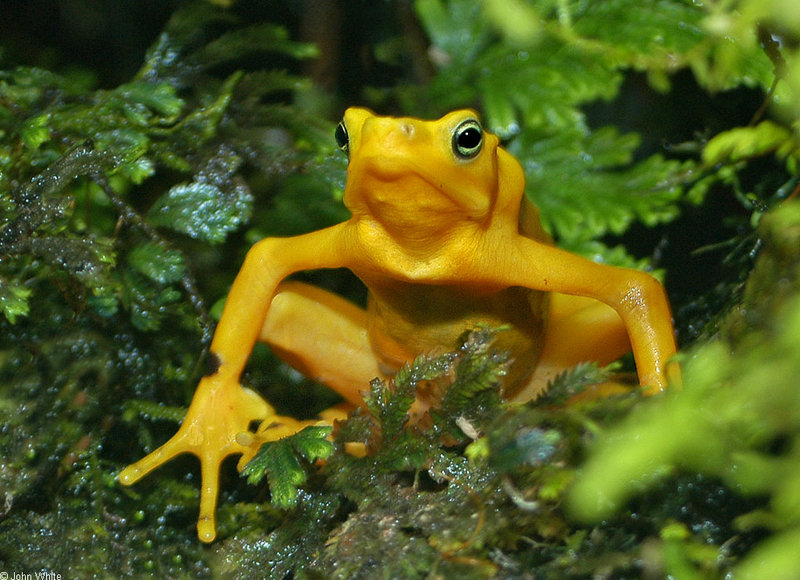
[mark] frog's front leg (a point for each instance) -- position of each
(222, 413)
(637, 298)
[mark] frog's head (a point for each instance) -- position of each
(417, 177)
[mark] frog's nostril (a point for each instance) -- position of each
(408, 129)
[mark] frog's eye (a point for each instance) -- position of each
(342, 139)
(468, 139)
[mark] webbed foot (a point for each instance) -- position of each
(217, 424)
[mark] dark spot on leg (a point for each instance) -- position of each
(213, 363)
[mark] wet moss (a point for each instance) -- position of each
(124, 213)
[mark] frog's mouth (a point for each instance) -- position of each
(412, 186)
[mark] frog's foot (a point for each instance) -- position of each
(218, 424)
(275, 428)
(278, 426)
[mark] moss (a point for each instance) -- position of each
(734, 419)
(125, 211)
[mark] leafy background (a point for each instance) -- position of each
(144, 146)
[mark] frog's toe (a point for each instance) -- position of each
(273, 429)
(207, 527)
(252, 406)
(135, 471)
(209, 491)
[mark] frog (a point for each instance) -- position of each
(444, 238)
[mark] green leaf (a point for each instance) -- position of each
(518, 20)
(205, 120)
(159, 97)
(36, 131)
(202, 211)
(160, 264)
(479, 369)
(25, 86)
(585, 189)
(104, 301)
(391, 404)
(262, 37)
(14, 300)
(279, 461)
(128, 146)
(139, 169)
(572, 381)
(743, 143)
(457, 29)
(635, 32)
(546, 83)
(89, 261)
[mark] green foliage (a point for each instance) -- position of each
(480, 370)
(462, 384)
(14, 300)
(110, 203)
(125, 210)
(201, 211)
(552, 58)
(743, 143)
(574, 381)
(289, 549)
(159, 263)
(458, 492)
(280, 462)
(736, 417)
(532, 87)
(410, 492)
(587, 187)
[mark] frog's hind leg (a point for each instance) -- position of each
(579, 330)
(323, 336)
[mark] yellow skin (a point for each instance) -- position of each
(443, 238)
